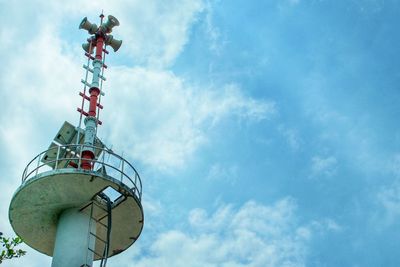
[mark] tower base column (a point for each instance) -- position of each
(73, 240)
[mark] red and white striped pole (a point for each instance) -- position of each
(100, 38)
(91, 120)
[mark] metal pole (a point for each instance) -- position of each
(37, 167)
(122, 170)
(58, 154)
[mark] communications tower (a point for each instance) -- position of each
(79, 201)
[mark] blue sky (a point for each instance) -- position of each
(265, 132)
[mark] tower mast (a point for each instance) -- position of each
(100, 38)
(73, 204)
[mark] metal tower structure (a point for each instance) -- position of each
(79, 201)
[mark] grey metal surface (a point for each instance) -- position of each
(68, 134)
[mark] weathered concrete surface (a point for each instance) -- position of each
(38, 203)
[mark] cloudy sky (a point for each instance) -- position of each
(265, 132)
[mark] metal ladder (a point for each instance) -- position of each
(96, 216)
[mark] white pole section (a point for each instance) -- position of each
(72, 244)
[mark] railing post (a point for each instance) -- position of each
(122, 170)
(37, 167)
(23, 175)
(80, 157)
(102, 160)
(140, 192)
(136, 187)
(25, 172)
(58, 154)
(135, 179)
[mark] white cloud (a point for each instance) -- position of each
(153, 32)
(157, 116)
(168, 115)
(347, 130)
(321, 166)
(217, 104)
(219, 172)
(388, 198)
(213, 32)
(37, 94)
(253, 235)
(162, 120)
(326, 224)
(42, 76)
(394, 165)
(292, 137)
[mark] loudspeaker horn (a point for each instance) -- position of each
(114, 43)
(87, 25)
(110, 23)
(86, 47)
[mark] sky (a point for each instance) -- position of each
(265, 132)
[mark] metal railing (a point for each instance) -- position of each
(69, 156)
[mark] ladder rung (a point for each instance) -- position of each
(82, 112)
(86, 67)
(105, 242)
(102, 224)
(88, 99)
(85, 206)
(89, 56)
(101, 256)
(86, 83)
(103, 217)
(84, 96)
(91, 70)
(94, 202)
(89, 85)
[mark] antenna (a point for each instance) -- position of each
(73, 204)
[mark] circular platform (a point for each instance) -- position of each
(38, 202)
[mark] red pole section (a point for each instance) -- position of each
(99, 47)
(94, 91)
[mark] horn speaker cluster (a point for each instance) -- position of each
(104, 28)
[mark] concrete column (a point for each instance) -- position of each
(72, 242)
